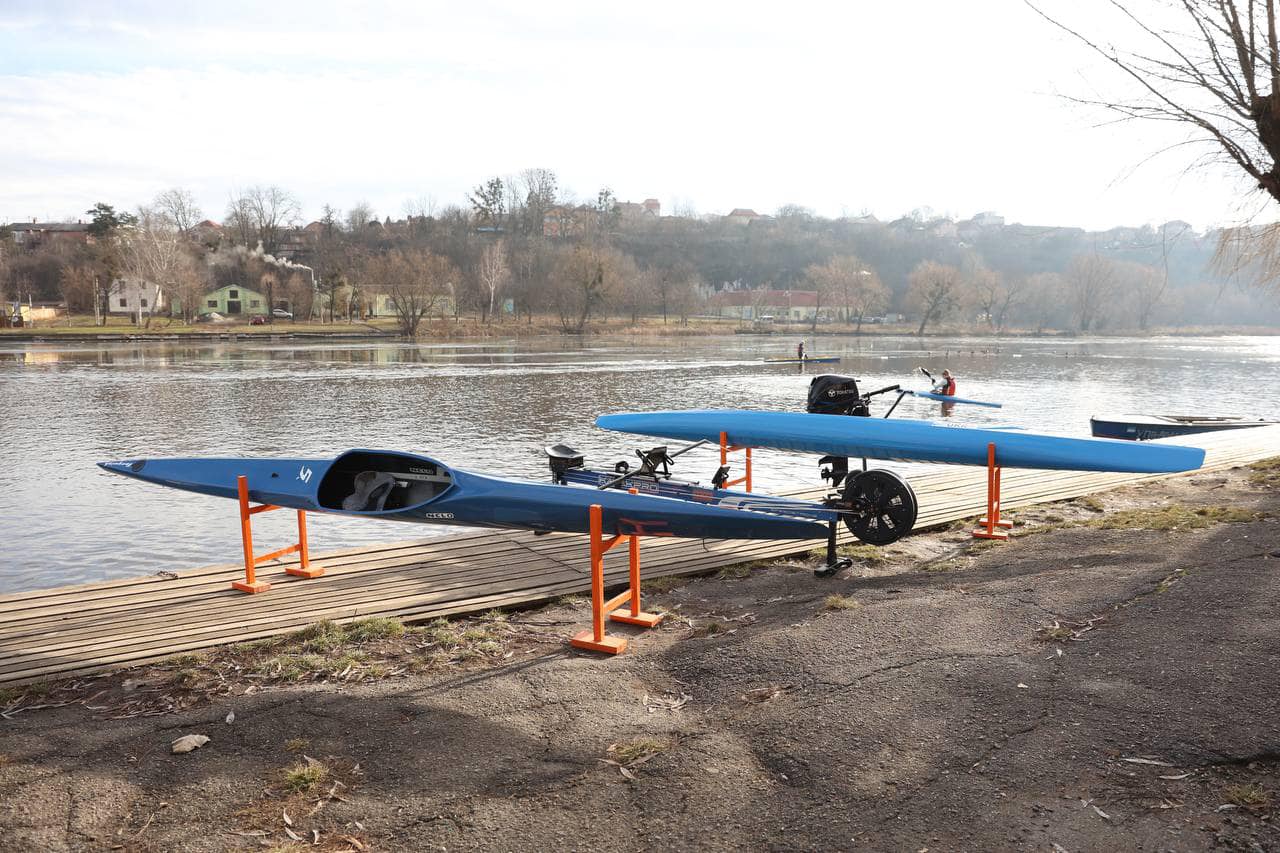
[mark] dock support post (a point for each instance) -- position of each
(992, 526)
(595, 639)
(304, 569)
(725, 450)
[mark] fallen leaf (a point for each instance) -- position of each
(1147, 761)
(1226, 807)
(289, 832)
(288, 821)
(1180, 776)
(627, 774)
(315, 836)
(186, 743)
(354, 842)
(1022, 686)
(1101, 813)
(231, 717)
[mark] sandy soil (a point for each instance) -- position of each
(1073, 689)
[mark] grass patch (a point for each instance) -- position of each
(664, 584)
(869, 554)
(296, 744)
(737, 572)
(840, 602)
(374, 628)
(1250, 796)
(302, 777)
(710, 629)
(1090, 503)
(1174, 517)
(1055, 633)
(1266, 472)
(631, 752)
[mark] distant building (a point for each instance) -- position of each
(134, 296)
(987, 219)
(32, 235)
(742, 216)
(206, 232)
(650, 207)
(786, 305)
(234, 300)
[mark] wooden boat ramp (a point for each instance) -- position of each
(88, 628)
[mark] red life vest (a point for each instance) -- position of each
(950, 390)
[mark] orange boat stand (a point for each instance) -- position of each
(992, 526)
(250, 583)
(595, 639)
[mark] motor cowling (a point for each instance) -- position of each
(830, 394)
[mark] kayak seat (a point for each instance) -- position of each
(371, 491)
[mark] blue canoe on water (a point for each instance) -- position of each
(408, 487)
(907, 441)
(947, 398)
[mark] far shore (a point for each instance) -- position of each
(164, 329)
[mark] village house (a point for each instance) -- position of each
(32, 235)
(797, 306)
(741, 216)
(134, 296)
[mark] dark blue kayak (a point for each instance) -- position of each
(408, 487)
(908, 441)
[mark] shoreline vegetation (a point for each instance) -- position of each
(84, 329)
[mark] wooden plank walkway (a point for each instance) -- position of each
(88, 628)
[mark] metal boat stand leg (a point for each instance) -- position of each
(834, 563)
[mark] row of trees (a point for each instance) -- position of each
(500, 260)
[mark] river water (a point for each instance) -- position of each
(489, 407)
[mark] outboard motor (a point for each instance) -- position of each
(836, 395)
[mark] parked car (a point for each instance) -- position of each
(281, 314)
(258, 320)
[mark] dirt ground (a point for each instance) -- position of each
(1076, 688)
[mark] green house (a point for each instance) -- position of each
(232, 300)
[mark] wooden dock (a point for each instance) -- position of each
(88, 628)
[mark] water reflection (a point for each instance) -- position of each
(488, 406)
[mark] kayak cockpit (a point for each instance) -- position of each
(370, 481)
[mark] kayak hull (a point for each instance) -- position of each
(416, 488)
(1148, 427)
(825, 359)
(908, 441)
(944, 398)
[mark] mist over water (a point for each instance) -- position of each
(490, 407)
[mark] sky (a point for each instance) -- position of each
(845, 108)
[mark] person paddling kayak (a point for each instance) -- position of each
(800, 351)
(945, 384)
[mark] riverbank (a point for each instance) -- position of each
(1105, 680)
(463, 328)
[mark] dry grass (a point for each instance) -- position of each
(840, 602)
(1249, 796)
(1090, 503)
(708, 629)
(1265, 473)
(296, 744)
(1173, 517)
(870, 554)
(628, 753)
(302, 777)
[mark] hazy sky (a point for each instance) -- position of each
(843, 107)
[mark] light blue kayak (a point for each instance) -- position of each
(908, 441)
(943, 398)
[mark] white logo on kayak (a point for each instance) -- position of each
(304, 474)
(437, 515)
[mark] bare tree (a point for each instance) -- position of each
(493, 273)
(1091, 280)
(1045, 294)
(417, 281)
(359, 217)
(852, 285)
(584, 278)
(154, 254)
(933, 289)
(179, 207)
(1213, 68)
(261, 214)
(1146, 287)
